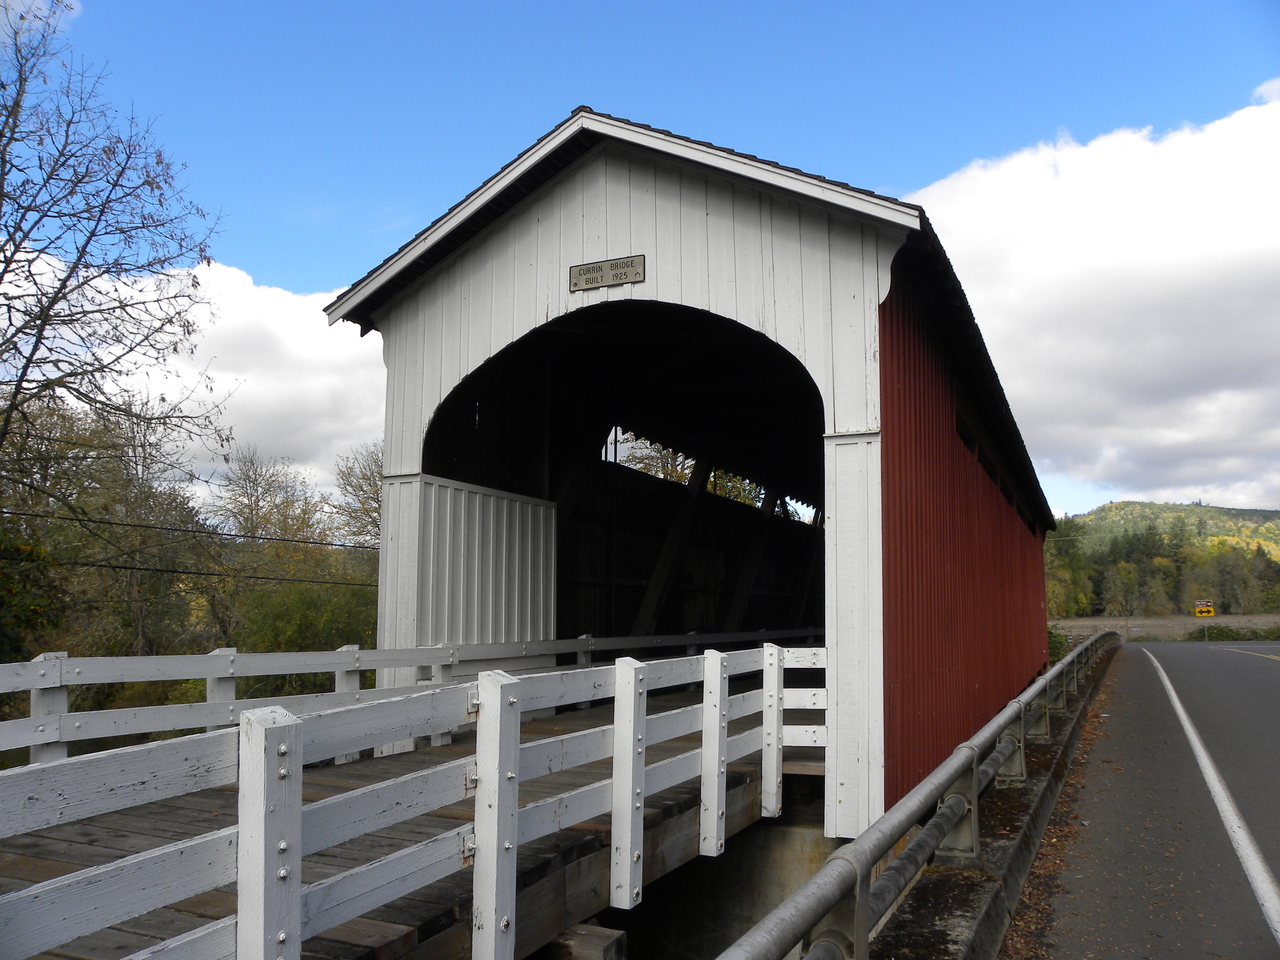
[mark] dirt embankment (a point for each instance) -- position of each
(1161, 628)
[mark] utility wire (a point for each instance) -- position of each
(204, 533)
(204, 573)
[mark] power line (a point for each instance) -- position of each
(205, 573)
(203, 533)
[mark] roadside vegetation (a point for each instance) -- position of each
(1222, 633)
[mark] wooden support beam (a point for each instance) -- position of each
(575, 482)
(583, 942)
(751, 564)
(677, 536)
(802, 594)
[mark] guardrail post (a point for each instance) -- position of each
(850, 939)
(493, 916)
(1040, 728)
(715, 748)
(961, 847)
(862, 924)
(50, 702)
(1014, 770)
(1073, 685)
(220, 686)
(269, 851)
(347, 680)
(1057, 693)
(771, 721)
(626, 870)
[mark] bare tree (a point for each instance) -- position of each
(269, 497)
(359, 504)
(97, 246)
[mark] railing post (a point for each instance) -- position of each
(715, 736)
(50, 702)
(347, 680)
(960, 846)
(441, 673)
(220, 686)
(771, 721)
(269, 854)
(626, 871)
(493, 918)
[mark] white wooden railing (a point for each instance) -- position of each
(51, 676)
(275, 830)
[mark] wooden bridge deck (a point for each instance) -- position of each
(562, 878)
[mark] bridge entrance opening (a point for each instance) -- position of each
(636, 553)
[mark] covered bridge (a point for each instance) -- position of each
(781, 328)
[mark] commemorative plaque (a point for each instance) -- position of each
(606, 273)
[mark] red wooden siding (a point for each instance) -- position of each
(964, 621)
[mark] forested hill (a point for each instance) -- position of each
(1155, 559)
(1244, 528)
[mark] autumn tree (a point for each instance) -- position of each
(260, 496)
(659, 461)
(289, 585)
(358, 507)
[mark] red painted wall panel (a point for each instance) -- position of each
(964, 620)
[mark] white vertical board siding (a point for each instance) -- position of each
(854, 635)
(808, 275)
(461, 565)
(399, 573)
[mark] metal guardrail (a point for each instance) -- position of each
(952, 789)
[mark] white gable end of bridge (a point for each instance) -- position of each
(804, 271)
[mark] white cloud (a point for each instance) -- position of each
(299, 388)
(1129, 292)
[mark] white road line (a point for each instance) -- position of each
(1255, 868)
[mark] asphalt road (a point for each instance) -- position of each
(1153, 871)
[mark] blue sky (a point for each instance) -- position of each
(327, 134)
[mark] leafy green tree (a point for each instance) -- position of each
(30, 596)
(1120, 590)
(1068, 570)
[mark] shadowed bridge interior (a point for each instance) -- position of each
(635, 553)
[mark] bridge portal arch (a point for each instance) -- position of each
(532, 420)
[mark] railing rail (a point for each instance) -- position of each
(266, 754)
(952, 790)
(50, 677)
